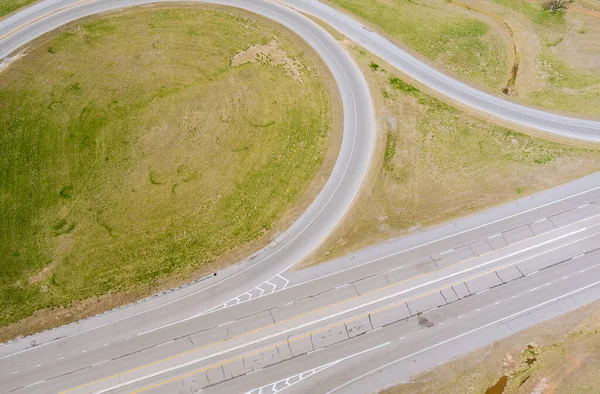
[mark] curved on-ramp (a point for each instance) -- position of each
(304, 235)
(565, 126)
(355, 155)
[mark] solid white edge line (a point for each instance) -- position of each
(465, 334)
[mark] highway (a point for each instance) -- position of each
(353, 324)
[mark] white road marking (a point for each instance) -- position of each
(466, 334)
(308, 373)
(397, 268)
(36, 383)
(352, 309)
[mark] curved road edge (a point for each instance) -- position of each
(582, 129)
(303, 236)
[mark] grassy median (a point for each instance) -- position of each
(145, 145)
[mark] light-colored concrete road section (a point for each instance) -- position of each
(357, 323)
(353, 324)
(442, 83)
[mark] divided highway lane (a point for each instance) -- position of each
(569, 201)
(438, 81)
(311, 309)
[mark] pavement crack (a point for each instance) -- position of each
(311, 341)
(407, 307)
(271, 313)
(442, 294)
(192, 342)
(469, 290)
(522, 274)
(455, 293)
(501, 280)
(354, 287)
(371, 322)
(288, 343)
(434, 262)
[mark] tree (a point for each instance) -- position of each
(555, 5)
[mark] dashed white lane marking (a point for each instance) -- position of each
(539, 287)
(477, 310)
(464, 334)
(165, 343)
(495, 235)
(38, 365)
(515, 296)
(60, 358)
(224, 324)
(128, 338)
(100, 363)
(280, 385)
(397, 268)
(583, 206)
(578, 256)
(36, 383)
(15, 372)
(447, 251)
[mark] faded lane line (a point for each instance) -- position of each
(271, 336)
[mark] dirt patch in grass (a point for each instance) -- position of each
(135, 157)
(509, 47)
(558, 356)
(437, 163)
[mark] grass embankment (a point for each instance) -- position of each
(8, 6)
(438, 163)
(560, 52)
(512, 46)
(465, 45)
(558, 356)
(139, 147)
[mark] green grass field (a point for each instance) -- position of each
(461, 43)
(134, 149)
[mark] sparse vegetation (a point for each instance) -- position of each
(462, 44)
(558, 356)
(528, 50)
(439, 163)
(556, 5)
(125, 166)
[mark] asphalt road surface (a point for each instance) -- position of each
(354, 324)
